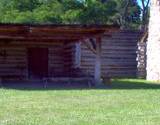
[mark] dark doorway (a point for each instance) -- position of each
(38, 62)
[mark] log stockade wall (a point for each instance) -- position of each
(119, 55)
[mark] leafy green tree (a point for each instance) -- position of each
(128, 13)
(72, 10)
(89, 11)
(48, 13)
(30, 11)
(95, 12)
(145, 12)
(123, 12)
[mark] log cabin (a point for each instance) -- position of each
(50, 51)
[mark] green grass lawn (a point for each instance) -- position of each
(126, 102)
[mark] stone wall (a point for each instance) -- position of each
(141, 60)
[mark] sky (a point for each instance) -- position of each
(139, 2)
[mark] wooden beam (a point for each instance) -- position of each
(89, 45)
(38, 39)
(52, 32)
(97, 72)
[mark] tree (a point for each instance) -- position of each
(88, 11)
(30, 11)
(95, 12)
(153, 45)
(128, 13)
(145, 12)
(70, 12)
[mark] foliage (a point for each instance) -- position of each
(70, 11)
(128, 13)
(97, 12)
(145, 13)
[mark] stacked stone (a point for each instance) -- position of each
(141, 60)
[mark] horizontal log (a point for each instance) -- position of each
(113, 56)
(118, 47)
(12, 71)
(128, 52)
(120, 68)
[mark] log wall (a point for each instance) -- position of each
(13, 62)
(56, 60)
(68, 58)
(118, 55)
(14, 59)
(87, 61)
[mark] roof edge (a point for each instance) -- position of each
(61, 25)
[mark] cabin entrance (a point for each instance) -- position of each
(37, 62)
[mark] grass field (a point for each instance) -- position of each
(126, 102)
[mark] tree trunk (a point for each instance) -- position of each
(153, 45)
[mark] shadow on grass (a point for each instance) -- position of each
(133, 84)
(116, 84)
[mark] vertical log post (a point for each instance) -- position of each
(97, 72)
